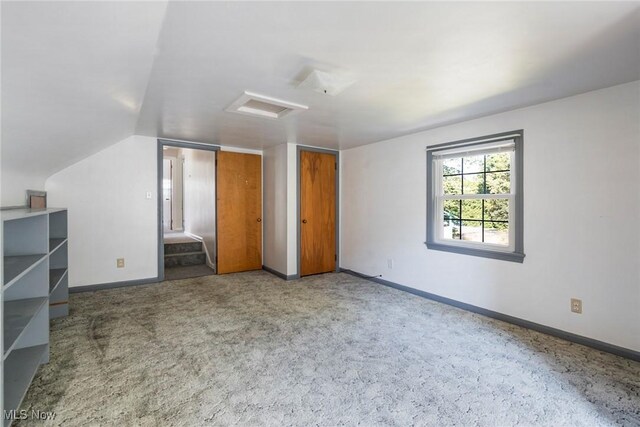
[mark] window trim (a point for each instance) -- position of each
(515, 251)
(439, 199)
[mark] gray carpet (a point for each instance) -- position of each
(252, 349)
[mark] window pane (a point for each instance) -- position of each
(452, 184)
(472, 231)
(496, 233)
(451, 209)
(451, 231)
(452, 166)
(451, 223)
(472, 209)
(496, 209)
(497, 183)
(473, 164)
(473, 184)
(498, 162)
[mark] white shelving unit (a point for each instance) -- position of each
(58, 265)
(34, 284)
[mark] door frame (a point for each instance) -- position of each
(299, 150)
(179, 144)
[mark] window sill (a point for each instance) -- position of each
(484, 253)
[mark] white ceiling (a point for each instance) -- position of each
(80, 76)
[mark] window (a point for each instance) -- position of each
(474, 196)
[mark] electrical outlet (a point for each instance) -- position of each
(120, 263)
(148, 194)
(390, 264)
(576, 305)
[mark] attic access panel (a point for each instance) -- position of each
(253, 104)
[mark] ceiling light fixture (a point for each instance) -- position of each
(327, 83)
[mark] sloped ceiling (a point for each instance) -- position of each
(74, 76)
(77, 77)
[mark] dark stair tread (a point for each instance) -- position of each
(181, 254)
(186, 247)
(185, 259)
(195, 242)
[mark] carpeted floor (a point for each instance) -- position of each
(252, 349)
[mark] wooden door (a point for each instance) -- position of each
(317, 212)
(239, 212)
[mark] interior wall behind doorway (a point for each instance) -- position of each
(200, 198)
(167, 202)
(175, 157)
(177, 202)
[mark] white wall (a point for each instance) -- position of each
(109, 214)
(280, 223)
(177, 192)
(581, 211)
(176, 157)
(275, 208)
(15, 185)
(292, 208)
(200, 197)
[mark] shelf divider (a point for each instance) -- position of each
(55, 274)
(55, 243)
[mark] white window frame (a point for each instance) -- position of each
(436, 197)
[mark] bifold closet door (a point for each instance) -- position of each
(317, 212)
(239, 212)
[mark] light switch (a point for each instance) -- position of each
(148, 194)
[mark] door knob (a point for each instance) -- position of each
(259, 219)
(304, 221)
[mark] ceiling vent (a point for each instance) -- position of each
(326, 82)
(256, 105)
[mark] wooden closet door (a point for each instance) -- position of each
(239, 212)
(317, 212)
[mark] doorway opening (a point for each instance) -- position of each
(187, 209)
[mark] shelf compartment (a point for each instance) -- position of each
(25, 236)
(15, 267)
(58, 310)
(60, 292)
(55, 274)
(55, 243)
(59, 298)
(60, 257)
(19, 369)
(18, 316)
(58, 224)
